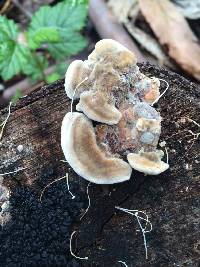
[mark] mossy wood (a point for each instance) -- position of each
(106, 235)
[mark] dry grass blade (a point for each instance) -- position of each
(43, 190)
(3, 124)
(56, 180)
(71, 251)
(88, 202)
(173, 32)
(139, 219)
(8, 173)
(124, 263)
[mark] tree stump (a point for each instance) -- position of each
(38, 233)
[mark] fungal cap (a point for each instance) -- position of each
(109, 49)
(96, 107)
(80, 148)
(76, 73)
(148, 162)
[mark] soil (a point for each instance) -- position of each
(105, 235)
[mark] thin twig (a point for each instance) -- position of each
(146, 219)
(67, 178)
(43, 190)
(162, 92)
(22, 9)
(195, 135)
(167, 155)
(62, 160)
(7, 173)
(88, 202)
(59, 179)
(143, 233)
(124, 263)
(3, 124)
(70, 247)
(5, 7)
(197, 124)
(143, 230)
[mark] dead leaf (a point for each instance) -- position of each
(149, 43)
(123, 9)
(189, 9)
(129, 9)
(173, 31)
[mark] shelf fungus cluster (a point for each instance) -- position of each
(115, 128)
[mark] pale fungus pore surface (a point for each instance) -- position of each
(109, 50)
(80, 148)
(148, 162)
(77, 72)
(96, 107)
(112, 91)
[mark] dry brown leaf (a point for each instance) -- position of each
(123, 9)
(173, 31)
(149, 43)
(189, 9)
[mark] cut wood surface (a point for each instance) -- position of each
(106, 235)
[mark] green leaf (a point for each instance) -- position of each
(9, 28)
(64, 21)
(13, 56)
(61, 68)
(53, 77)
(36, 64)
(85, 2)
(72, 47)
(44, 35)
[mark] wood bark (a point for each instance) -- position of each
(106, 235)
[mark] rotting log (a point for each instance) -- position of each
(106, 235)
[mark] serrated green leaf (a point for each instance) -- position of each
(13, 55)
(61, 68)
(44, 35)
(77, 43)
(15, 58)
(67, 18)
(36, 64)
(9, 28)
(53, 77)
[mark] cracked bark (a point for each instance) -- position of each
(106, 235)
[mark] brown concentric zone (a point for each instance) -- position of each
(90, 156)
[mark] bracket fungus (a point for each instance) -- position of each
(112, 91)
(76, 73)
(85, 156)
(148, 162)
(96, 107)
